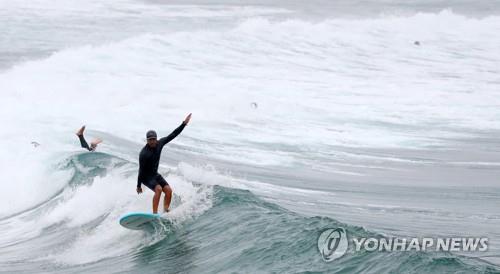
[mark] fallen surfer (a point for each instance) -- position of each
(83, 142)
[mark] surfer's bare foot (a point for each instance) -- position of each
(96, 141)
(80, 131)
(166, 210)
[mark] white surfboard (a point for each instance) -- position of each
(143, 221)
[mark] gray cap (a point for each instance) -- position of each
(151, 134)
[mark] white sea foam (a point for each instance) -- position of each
(338, 82)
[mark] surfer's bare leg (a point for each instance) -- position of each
(156, 198)
(168, 198)
(83, 143)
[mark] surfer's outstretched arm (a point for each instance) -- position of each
(163, 141)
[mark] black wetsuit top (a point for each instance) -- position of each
(149, 158)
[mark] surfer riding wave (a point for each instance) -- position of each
(149, 159)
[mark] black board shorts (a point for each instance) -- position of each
(156, 180)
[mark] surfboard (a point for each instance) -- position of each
(143, 221)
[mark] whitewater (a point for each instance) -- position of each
(381, 117)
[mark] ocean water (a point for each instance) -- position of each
(307, 115)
